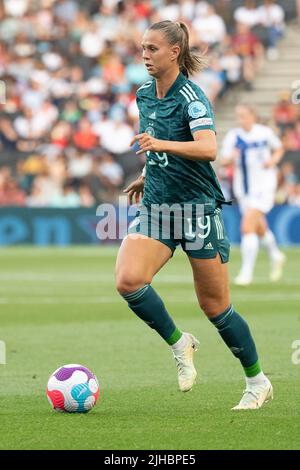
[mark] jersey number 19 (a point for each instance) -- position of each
(163, 159)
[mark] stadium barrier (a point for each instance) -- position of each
(62, 227)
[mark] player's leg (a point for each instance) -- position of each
(212, 289)
(139, 259)
(268, 241)
(249, 245)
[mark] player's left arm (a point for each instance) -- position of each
(275, 159)
(277, 148)
(203, 147)
(198, 116)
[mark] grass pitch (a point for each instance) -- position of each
(60, 306)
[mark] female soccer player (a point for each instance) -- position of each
(177, 133)
(255, 151)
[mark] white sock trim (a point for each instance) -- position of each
(258, 379)
(181, 343)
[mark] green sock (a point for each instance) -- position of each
(236, 334)
(149, 307)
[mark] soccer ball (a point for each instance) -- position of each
(73, 388)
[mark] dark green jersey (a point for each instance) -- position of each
(169, 178)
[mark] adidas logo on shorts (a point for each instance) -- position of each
(208, 246)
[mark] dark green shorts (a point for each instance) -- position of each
(201, 236)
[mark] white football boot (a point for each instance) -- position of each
(243, 280)
(185, 365)
(277, 267)
(255, 396)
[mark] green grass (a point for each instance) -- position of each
(59, 306)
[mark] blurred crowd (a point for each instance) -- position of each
(286, 116)
(69, 72)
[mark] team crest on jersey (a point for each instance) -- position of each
(197, 109)
(149, 130)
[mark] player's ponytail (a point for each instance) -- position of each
(189, 62)
(178, 33)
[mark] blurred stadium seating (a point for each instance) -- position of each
(69, 72)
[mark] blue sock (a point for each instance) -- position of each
(236, 334)
(149, 307)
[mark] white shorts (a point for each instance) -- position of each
(263, 202)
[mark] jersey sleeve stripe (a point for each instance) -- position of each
(192, 91)
(185, 89)
(186, 97)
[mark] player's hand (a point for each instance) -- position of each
(135, 190)
(147, 143)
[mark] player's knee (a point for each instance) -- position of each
(129, 282)
(211, 306)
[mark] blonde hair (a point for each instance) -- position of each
(178, 33)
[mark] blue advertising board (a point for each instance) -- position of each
(49, 226)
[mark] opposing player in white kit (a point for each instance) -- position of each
(255, 150)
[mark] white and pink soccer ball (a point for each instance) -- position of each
(73, 388)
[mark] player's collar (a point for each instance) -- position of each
(180, 80)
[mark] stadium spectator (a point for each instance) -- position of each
(84, 138)
(271, 16)
(16, 7)
(80, 165)
(108, 129)
(250, 50)
(36, 197)
(294, 198)
(86, 197)
(247, 14)
(210, 27)
(61, 134)
(8, 135)
(43, 189)
(10, 193)
(288, 183)
(284, 113)
(289, 140)
(297, 134)
(71, 112)
(66, 198)
(110, 170)
(231, 64)
(171, 11)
